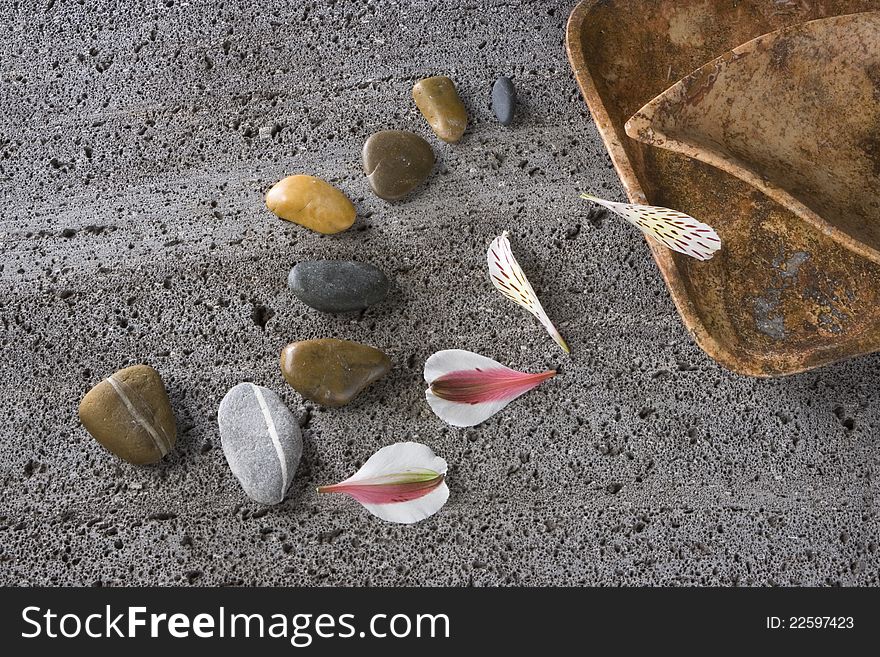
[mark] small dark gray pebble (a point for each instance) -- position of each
(338, 286)
(504, 100)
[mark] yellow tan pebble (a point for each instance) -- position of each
(311, 202)
(439, 103)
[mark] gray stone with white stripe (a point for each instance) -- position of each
(261, 440)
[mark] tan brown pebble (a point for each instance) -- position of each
(439, 103)
(311, 202)
(129, 414)
(332, 372)
(396, 162)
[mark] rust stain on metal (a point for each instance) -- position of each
(700, 86)
(782, 296)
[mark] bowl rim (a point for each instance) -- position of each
(722, 353)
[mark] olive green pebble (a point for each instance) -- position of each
(396, 162)
(129, 414)
(438, 101)
(332, 372)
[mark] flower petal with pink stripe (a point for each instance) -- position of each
(466, 389)
(403, 483)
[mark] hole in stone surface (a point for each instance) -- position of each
(596, 217)
(261, 314)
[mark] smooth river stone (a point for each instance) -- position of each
(311, 202)
(504, 100)
(439, 103)
(261, 441)
(337, 286)
(129, 414)
(332, 372)
(396, 162)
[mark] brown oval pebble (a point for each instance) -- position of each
(439, 103)
(311, 202)
(129, 414)
(332, 372)
(396, 162)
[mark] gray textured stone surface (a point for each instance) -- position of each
(137, 141)
(338, 286)
(261, 441)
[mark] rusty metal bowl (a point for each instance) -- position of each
(796, 113)
(781, 296)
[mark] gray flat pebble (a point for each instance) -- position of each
(261, 441)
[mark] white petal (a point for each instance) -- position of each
(397, 459)
(386, 470)
(463, 415)
(509, 279)
(673, 229)
(454, 360)
(456, 412)
(409, 512)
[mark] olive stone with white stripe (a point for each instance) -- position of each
(261, 441)
(129, 414)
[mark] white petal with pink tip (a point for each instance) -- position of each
(466, 389)
(402, 483)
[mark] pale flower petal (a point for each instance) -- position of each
(466, 389)
(462, 415)
(402, 483)
(674, 230)
(508, 277)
